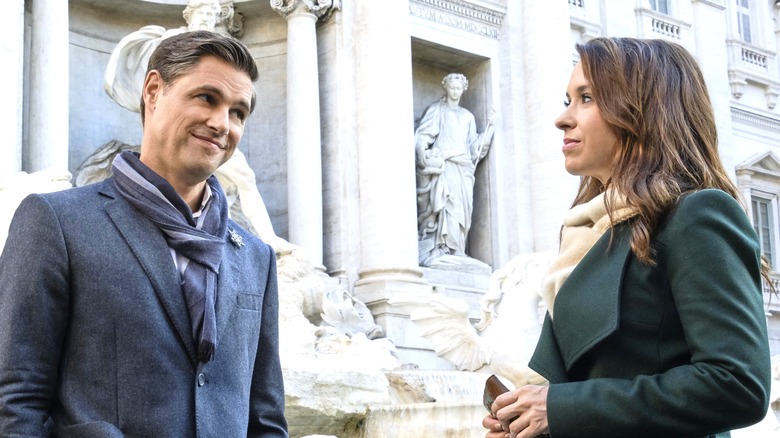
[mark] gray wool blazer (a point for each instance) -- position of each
(95, 338)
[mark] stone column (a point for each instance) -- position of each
(385, 136)
(12, 53)
(48, 101)
(304, 155)
(545, 29)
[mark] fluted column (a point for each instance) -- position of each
(12, 54)
(48, 102)
(304, 155)
(385, 135)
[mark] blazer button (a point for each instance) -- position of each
(201, 379)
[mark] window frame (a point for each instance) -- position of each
(655, 5)
(767, 233)
(746, 13)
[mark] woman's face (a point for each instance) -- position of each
(589, 145)
(454, 90)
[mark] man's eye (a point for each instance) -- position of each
(240, 115)
(206, 98)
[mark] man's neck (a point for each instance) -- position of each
(192, 195)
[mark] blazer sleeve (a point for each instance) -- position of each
(34, 300)
(711, 259)
(266, 416)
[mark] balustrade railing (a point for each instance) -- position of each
(665, 28)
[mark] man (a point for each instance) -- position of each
(135, 306)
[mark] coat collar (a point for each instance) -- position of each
(591, 296)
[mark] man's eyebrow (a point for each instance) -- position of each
(243, 103)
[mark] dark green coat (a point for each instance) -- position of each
(677, 349)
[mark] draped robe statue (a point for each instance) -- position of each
(448, 149)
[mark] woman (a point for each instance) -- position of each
(656, 324)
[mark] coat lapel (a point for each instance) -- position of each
(588, 303)
(149, 247)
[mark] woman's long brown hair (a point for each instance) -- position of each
(653, 96)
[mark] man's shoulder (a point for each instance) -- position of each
(74, 198)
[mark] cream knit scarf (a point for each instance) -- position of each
(583, 225)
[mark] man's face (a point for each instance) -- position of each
(194, 124)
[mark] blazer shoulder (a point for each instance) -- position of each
(701, 201)
(76, 196)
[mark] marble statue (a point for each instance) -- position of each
(447, 149)
(124, 75)
(504, 339)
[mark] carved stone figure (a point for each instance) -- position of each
(504, 339)
(126, 67)
(447, 149)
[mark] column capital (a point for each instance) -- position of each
(318, 8)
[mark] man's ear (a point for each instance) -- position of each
(153, 87)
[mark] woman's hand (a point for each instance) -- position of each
(522, 413)
(493, 426)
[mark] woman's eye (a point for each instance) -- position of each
(566, 103)
(586, 98)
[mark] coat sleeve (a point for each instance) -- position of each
(710, 255)
(266, 416)
(34, 300)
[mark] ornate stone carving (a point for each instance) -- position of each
(126, 69)
(737, 82)
(771, 94)
(316, 7)
(459, 14)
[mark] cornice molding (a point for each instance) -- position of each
(756, 120)
(460, 14)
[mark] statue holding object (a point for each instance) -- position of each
(447, 149)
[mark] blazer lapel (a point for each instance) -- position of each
(588, 303)
(154, 255)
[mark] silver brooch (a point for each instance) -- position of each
(235, 238)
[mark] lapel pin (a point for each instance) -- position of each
(235, 238)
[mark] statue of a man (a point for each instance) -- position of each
(447, 148)
(126, 67)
